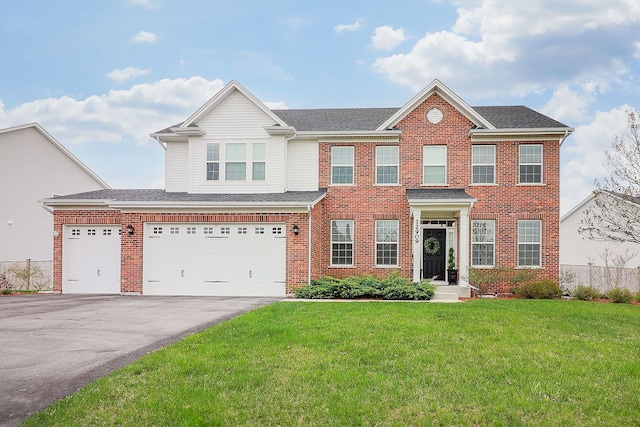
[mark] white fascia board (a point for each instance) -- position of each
(426, 203)
(437, 87)
(579, 206)
(287, 131)
(556, 132)
(189, 131)
(221, 96)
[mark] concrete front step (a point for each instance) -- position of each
(450, 293)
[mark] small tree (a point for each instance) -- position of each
(615, 213)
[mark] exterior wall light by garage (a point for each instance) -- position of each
(130, 229)
(296, 229)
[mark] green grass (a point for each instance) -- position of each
(487, 362)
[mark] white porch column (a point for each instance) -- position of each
(416, 245)
(463, 258)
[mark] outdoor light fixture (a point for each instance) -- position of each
(130, 229)
(296, 229)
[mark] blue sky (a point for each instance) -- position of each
(101, 76)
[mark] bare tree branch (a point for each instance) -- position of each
(615, 212)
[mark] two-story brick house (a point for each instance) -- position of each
(258, 201)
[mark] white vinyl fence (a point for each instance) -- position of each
(601, 278)
(27, 275)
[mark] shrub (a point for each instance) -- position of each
(393, 287)
(540, 289)
(585, 293)
(619, 295)
(6, 287)
(636, 296)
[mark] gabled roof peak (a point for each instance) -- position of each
(437, 87)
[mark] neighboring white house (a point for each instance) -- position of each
(578, 249)
(34, 166)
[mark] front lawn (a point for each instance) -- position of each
(484, 362)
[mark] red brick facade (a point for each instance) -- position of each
(364, 202)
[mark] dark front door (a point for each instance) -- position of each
(433, 254)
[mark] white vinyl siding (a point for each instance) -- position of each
(529, 243)
(177, 159)
(387, 160)
(302, 165)
(483, 235)
(434, 161)
(483, 160)
(237, 120)
(530, 164)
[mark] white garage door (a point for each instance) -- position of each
(215, 259)
(91, 259)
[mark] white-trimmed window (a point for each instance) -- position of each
(483, 160)
(213, 161)
(258, 165)
(236, 161)
(342, 161)
(235, 165)
(387, 164)
(483, 238)
(529, 243)
(387, 242)
(530, 163)
(342, 242)
(434, 164)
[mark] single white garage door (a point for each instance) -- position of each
(91, 259)
(215, 259)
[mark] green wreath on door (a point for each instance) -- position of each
(431, 246)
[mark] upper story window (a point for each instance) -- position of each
(387, 165)
(434, 162)
(233, 160)
(530, 162)
(483, 237)
(342, 242)
(342, 161)
(258, 166)
(529, 243)
(483, 159)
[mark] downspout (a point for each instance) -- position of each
(309, 246)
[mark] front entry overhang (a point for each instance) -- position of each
(441, 203)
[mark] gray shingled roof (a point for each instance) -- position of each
(517, 116)
(438, 194)
(152, 195)
(368, 119)
(336, 119)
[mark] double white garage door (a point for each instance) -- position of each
(228, 259)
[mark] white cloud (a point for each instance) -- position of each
(349, 27)
(128, 115)
(386, 38)
(144, 37)
(583, 155)
(280, 105)
(122, 75)
(502, 47)
(149, 4)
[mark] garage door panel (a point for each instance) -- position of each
(215, 259)
(91, 259)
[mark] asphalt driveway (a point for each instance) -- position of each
(51, 345)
